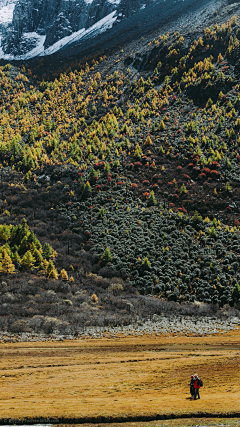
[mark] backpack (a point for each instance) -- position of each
(200, 383)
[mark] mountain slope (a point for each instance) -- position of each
(56, 20)
(45, 27)
(126, 168)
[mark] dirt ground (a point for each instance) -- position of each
(192, 422)
(121, 378)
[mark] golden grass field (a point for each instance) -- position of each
(120, 378)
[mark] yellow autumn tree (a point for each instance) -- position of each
(6, 265)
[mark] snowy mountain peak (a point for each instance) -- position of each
(42, 27)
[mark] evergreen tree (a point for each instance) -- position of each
(6, 265)
(16, 258)
(106, 169)
(24, 245)
(92, 177)
(37, 255)
(51, 270)
(28, 260)
(32, 239)
(53, 274)
(146, 263)
(19, 232)
(106, 256)
(151, 199)
(5, 232)
(47, 251)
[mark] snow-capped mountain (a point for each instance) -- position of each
(42, 27)
(30, 28)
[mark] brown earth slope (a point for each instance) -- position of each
(116, 379)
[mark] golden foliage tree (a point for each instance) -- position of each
(6, 265)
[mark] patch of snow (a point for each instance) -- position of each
(143, 7)
(98, 28)
(114, 1)
(63, 42)
(6, 13)
(32, 35)
(31, 54)
(88, 1)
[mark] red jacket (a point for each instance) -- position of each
(197, 383)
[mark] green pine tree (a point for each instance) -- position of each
(151, 201)
(47, 251)
(51, 270)
(28, 261)
(19, 232)
(37, 255)
(16, 258)
(24, 245)
(106, 256)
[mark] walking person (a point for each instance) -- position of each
(192, 390)
(197, 384)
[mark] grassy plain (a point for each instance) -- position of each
(119, 379)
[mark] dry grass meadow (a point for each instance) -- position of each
(121, 378)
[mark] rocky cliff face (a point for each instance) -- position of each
(56, 19)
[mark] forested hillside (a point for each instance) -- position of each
(122, 173)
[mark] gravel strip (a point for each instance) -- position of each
(157, 326)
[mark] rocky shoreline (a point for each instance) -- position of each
(157, 326)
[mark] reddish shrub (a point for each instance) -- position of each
(145, 182)
(214, 172)
(138, 165)
(179, 168)
(155, 185)
(133, 185)
(214, 164)
(202, 176)
(206, 171)
(186, 176)
(171, 205)
(190, 165)
(100, 165)
(146, 194)
(182, 210)
(120, 183)
(98, 187)
(175, 196)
